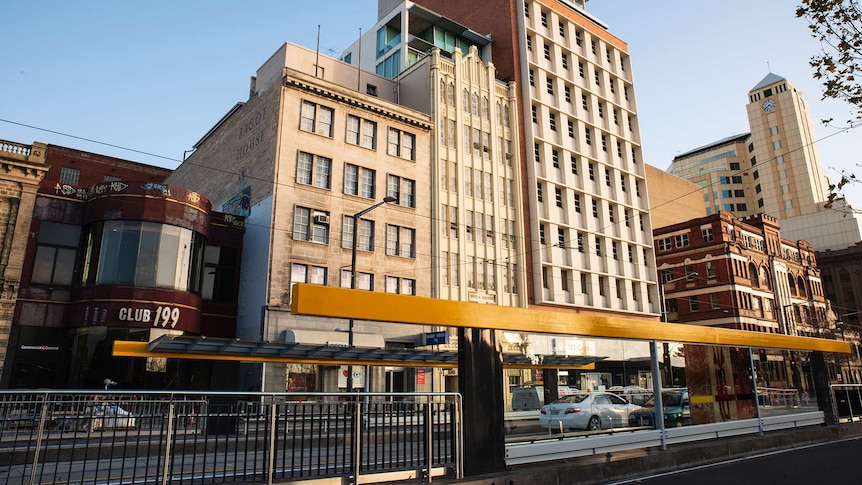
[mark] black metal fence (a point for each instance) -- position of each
(150, 437)
(847, 402)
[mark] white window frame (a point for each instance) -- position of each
(306, 229)
(401, 144)
(400, 241)
(315, 118)
(315, 170)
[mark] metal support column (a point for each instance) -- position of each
(480, 382)
(657, 385)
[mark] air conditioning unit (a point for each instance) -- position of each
(321, 219)
(485, 149)
(508, 156)
(476, 145)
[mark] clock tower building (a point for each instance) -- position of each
(785, 173)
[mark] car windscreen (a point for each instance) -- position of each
(671, 398)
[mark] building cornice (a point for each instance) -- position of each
(297, 83)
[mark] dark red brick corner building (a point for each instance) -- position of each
(115, 254)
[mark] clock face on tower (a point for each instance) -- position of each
(769, 105)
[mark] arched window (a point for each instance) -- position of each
(791, 282)
(450, 94)
(506, 115)
(442, 92)
(764, 278)
(465, 101)
(800, 283)
(485, 108)
(474, 104)
(753, 274)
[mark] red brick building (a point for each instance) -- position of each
(723, 271)
(748, 276)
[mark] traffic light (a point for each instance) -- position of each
(792, 361)
(761, 353)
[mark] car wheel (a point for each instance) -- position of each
(595, 424)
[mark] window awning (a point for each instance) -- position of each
(332, 353)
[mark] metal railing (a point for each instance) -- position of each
(789, 398)
(112, 437)
(846, 402)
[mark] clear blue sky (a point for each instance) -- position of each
(155, 76)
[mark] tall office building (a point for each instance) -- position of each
(721, 170)
(773, 169)
(792, 180)
(589, 237)
(561, 134)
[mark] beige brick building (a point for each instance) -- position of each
(309, 150)
(23, 168)
(672, 199)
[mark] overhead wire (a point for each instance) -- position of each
(588, 249)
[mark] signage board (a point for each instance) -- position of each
(436, 338)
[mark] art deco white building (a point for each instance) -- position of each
(561, 136)
(589, 243)
(441, 68)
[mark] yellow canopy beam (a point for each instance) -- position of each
(332, 302)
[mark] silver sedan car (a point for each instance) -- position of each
(587, 410)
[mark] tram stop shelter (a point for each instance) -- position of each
(479, 358)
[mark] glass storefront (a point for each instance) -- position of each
(700, 384)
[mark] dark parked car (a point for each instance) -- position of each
(676, 409)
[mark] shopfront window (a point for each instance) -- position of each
(144, 254)
(56, 251)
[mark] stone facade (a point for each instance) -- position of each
(311, 151)
(23, 169)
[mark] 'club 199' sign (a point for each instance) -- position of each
(161, 316)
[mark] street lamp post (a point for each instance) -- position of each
(661, 291)
(386, 200)
(653, 351)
